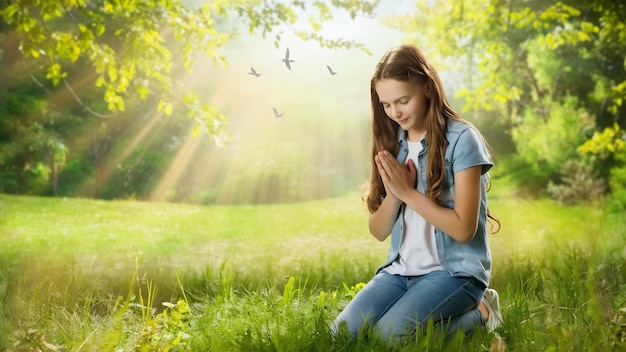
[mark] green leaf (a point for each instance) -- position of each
(164, 107)
(9, 12)
(55, 74)
(100, 29)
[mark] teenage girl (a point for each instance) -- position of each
(428, 191)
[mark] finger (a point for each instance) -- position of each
(377, 161)
(390, 159)
(411, 166)
(390, 165)
(385, 158)
(379, 165)
(386, 155)
(384, 169)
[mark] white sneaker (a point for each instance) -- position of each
(491, 301)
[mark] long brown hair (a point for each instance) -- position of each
(408, 63)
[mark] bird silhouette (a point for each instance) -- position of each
(253, 72)
(331, 70)
(286, 60)
(276, 114)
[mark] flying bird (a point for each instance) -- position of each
(286, 60)
(276, 114)
(331, 70)
(253, 72)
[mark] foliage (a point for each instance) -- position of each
(123, 44)
(610, 145)
(168, 330)
(606, 144)
(32, 152)
(499, 40)
(547, 139)
(527, 60)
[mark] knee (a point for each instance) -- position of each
(346, 324)
(394, 330)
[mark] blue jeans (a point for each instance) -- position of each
(395, 306)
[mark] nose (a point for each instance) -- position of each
(395, 112)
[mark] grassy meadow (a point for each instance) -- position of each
(89, 275)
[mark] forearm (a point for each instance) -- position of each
(460, 228)
(381, 222)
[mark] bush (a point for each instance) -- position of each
(580, 183)
(546, 138)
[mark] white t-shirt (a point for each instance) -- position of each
(418, 249)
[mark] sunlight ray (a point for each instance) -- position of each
(176, 169)
(183, 163)
(107, 167)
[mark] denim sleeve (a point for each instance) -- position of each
(470, 150)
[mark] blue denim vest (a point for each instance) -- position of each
(465, 149)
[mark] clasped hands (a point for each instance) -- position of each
(398, 179)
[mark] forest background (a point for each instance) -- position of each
(153, 102)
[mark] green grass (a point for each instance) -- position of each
(84, 275)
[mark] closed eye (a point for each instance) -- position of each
(403, 101)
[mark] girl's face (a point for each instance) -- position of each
(404, 103)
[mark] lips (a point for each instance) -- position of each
(402, 122)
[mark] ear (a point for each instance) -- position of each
(429, 89)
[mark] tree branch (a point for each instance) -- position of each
(91, 111)
(67, 85)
